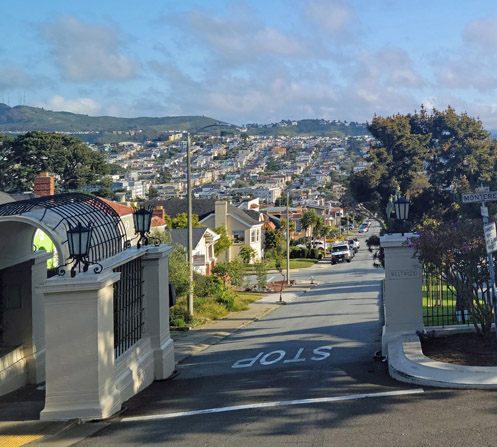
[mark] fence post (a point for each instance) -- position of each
(403, 288)
(156, 304)
(79, 346)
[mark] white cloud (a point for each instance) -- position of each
(482, 34)
(240, 37)
(332, 16)
(86, 52)
(86, 106)
(13, 77)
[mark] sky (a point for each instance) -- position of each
(248, 61)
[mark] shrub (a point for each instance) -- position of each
(210, 308)
(178, 322)
(206, 285)
(180, 312)
(314, 254)
(227, 299)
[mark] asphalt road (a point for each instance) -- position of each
(304, 375)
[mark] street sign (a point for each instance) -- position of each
(474, 197)
(490, 237)
(198, 260)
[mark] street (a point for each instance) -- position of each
(303, 375)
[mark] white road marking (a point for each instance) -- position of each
(280, 354)
(156, 417)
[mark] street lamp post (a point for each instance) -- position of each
(190, 223)
(402, 211)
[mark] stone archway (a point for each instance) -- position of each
(22, 269)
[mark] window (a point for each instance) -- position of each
(239, 237)
(253, 236)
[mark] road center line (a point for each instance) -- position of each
(156, 417)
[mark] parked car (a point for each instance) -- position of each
(352, 246)
(364, 228)
(355, 244)
(341, 252)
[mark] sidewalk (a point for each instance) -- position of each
(20, 410)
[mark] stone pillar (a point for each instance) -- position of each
(79, 345)
(156, 304)
(36, 367)
(402, 299)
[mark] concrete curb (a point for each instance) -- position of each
(407, 363)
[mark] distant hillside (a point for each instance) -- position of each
(109, 129)
(24, 118)
(317, 127)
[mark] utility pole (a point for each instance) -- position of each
(190, 221)
(287, 238)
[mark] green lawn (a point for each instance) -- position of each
(297, 263)
(439, 307)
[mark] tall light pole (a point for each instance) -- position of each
(287, 238)
(190, 223)
(190, 211)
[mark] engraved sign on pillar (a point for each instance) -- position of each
(403, 274)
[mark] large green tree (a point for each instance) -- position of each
(428, 157)
(74, 164)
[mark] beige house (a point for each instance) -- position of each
(239, 224)
(243, 229)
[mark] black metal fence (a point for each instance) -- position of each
(128, 306)
(440, 304)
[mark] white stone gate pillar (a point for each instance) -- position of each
(402, 299)
(79, 345)
(156, 304)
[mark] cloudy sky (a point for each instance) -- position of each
(248, 61)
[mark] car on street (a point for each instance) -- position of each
(341, 252)
(352, 246)
(363, 228)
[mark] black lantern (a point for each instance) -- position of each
(79, 243)
(401, 207)
(142, 218)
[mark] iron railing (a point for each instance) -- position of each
(440, 304)
(128, 306)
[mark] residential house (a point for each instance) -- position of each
(203, 241)
(239, 225)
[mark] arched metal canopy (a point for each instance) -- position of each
(61, 210)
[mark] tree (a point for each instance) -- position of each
(67, 157)
(283, 225)
(428, 157)
(456, 253)
(308, 220)
(223, 243)
(230, 272)
(152, 193)
(181, 221)
(247, 253)
(179, 271)
(273, 239)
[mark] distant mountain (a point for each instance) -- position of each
(108, 129)
(24, 118)
(317, 127)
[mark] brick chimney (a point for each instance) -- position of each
(44, 185)
(158, 211)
